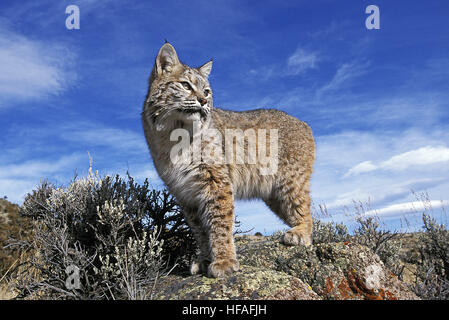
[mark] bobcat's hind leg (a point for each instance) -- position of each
(291, 202)
(300, 234)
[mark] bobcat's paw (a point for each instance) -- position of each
(294, 237)
(220, 268)
(199, 266)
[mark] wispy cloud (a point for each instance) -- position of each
(39, 168)
(296, 64)
(18, 179)
(420, 157)
(334, 31)
(408, 207)
(32, 69)
(382, 167)
(331, 90)
(90, 134)
(300, 61)
(56, 150)
(345, 73)
(396, 188)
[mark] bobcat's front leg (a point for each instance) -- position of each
(200, 233)
(218, 217)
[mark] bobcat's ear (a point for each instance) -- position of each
(206, 68)
(166, 59)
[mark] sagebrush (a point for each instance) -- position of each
(432, 275)
(120, 236)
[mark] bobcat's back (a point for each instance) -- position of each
(296, 148)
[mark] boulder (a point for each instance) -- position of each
(271, 270)
(341, 271)
(250, 283)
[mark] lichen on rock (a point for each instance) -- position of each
(249, 283)
(270, 270)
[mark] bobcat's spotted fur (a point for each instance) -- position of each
(179, 96)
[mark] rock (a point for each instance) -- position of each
(271, 270)
(249, 283)
(334, 270)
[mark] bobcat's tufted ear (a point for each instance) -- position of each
(166, 59)
(206, 68)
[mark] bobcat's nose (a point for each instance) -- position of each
(202, 101)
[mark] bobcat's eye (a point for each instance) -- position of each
(186, 85)
(206, 92)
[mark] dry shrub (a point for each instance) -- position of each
(368, 231)
(12, 226)
(381, 241)
(102, 238)
(326, 232)
(432, 275)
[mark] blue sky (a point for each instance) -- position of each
(377, 100)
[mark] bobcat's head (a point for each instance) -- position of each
(177, 92)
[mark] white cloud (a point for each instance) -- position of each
(382, 168)
(315, 99)
(16, 180)
(16, 189)
(419, 157)
(380, 190)
(39, 168)
(114, 150)
(300, 61)
(408, 207)
(333, 30)
(31, 69)
(115, 138)
(365, 166)
(422, 156)
(344, 75)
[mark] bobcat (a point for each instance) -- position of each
(180, 98)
